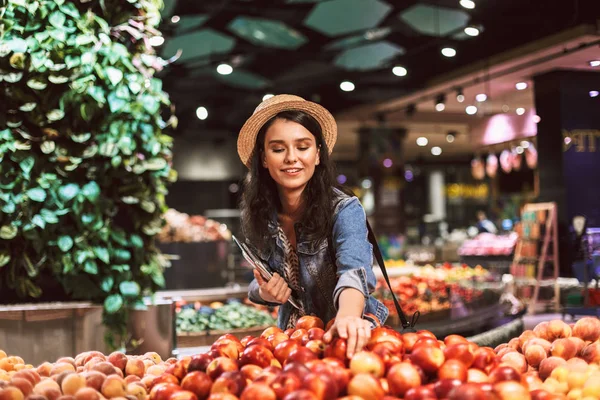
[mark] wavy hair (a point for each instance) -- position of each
(260, 197)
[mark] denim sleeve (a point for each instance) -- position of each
(353, 251)
(254, 296)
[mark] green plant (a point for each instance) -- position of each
(84, 163)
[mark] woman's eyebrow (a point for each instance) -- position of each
(279, 141)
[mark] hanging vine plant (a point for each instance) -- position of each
(84, 162)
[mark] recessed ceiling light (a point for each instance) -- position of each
(448, 52)
(387, 163)
(224, 69)
(267, 96)
(450, 138)
(595, 63)
(156, 41)
(537, 119)
(521, 85)
(505, 108)
(525, 144)
(399, 71)
(175, 19)
(422, 141)
(440, 107)
(460, 97)
(471, 110)
(436, 150)
(481, 97)
(520, 111)
(202, 113)
(468, 4)
(594, 93)
(471, 31)
(347, 86)
(519, 150)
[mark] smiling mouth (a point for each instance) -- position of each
(292, 170)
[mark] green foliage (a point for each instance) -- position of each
(84, 162)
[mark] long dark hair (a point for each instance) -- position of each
(260, 196)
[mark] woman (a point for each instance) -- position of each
(312, 235)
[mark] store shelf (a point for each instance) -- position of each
(205, 295)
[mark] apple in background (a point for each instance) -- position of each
(509, 390)
(421, 393)
(106, 368)
(277, 338)
(316, 333)
(261, 342)
(118, 359)
(483, 359)
(250, 372)
(453, 339)
(402, 377)
(385, 335)
(257, 355)
(337, 349)
(300, 335)
(222, 396)
(301, 394)
(443, 387)
(429, 358)
(283, 349)
(366, 386)
(301, 355)
(467, 391)
(514, 343)
(461, 352)
(367, 362)
(178, 369)
(228, 336)
(285, 383)
(163, 391)
(220, 365)
(531, 380)
(564, 348)
(289, 331)
(507, 350)
(198, 383)
(317, 346)
(244, 341)
(503, 373)
(548, 364)
(453, 369)
(477, 376)
(297, 369)
(258, 391)
(309, 321)
(270, 331)
(426, 341)
(526, 336)
(92, 354)
(409, 339)
(229, 382)
(199, 362)
(164, 378)
(228, 348)
(587, 328)
(183, 395)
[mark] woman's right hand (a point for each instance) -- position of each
(274, 291)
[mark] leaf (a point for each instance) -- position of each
(115, 75)
(4, 258)
(58, 79)
(155, 164)
(37, 84)
(39, 221)
(129, 289)
(113, 303)
(91, 267)
(102, 254)
(27, 164)
(48, 216)
(9, 208)
(37, 194)
(55, 115)
(28, 107)
(130, 199)
(17, 45)
(8, 232)
(122, 255)
(68, 192)
(81, 138)
(148, 206)
(82, 40)
(91, 191)
(48, 147)
(107, 284)
(57, 19)
(87, 218)
(159, 279)
(65, 243)
(81, 256)
(136, 241)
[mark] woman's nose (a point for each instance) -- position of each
(290, 157)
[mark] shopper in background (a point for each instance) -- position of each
(312, 235)
(484, 224)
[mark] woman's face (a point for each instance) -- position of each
(290, 154)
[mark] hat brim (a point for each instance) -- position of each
(247, 137)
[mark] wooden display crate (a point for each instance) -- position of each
(197, 339)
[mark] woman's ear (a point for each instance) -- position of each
(264, 160)
(318, 156)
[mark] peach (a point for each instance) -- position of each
(546, 345)
(477, 376)
(66, 397)
(541, 330)
(558, 329)
(118, 359)
(114, 386)
(45, 384)
(69, 360)
(137, 391)
(23, 385)
(535, 354)
(43, 369)
(514, 343)
(72, 383)
(591, 353)
(87, 393)
(507, 350)
(106, 368)
(11, 393)
(564, 348)
(29, 374)
(136, 367)
(60, 377)
(93, 354)
(525, 336)
(156, 370)
(587, 328)
(58, 368)
(94, 379)
(131, 378)
(548, 364)
(515, 360)
(2, 354)
(154, 357)
(577, 364)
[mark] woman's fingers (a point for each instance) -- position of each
(363, 335)
(261, 281)
(352, 328)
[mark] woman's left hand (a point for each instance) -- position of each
(356, 330)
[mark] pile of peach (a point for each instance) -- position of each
(554, 361)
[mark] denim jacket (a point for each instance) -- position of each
(321, 281)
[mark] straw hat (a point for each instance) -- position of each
(271, 107)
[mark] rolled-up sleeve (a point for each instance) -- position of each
(353, 251)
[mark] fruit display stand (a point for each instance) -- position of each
(555, 360)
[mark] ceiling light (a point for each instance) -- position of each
(399, 71)
(471, 31)
(481, 97)
(505, 108)
(519, 150)
(202, 113)
(267, 96)
(471, 110)
(224, 69)
(520, 111)
(594, 93)
(387, 163)
(525, 144)
(521, 85)
(595, 63)
(175, 19)
(468, 4)
(460, 97)
(448, 52)
(366, 184)
(440, 107)
(342, 179)
(422, 141)
(156, 41)
(537, 119)
(436, 150)
(450, 137)
(440, 102)
(347, 86)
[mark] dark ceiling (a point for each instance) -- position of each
(308, 47)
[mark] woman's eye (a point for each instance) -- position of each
(277, 150)
(303, 148)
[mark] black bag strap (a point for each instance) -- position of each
(406, 326)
